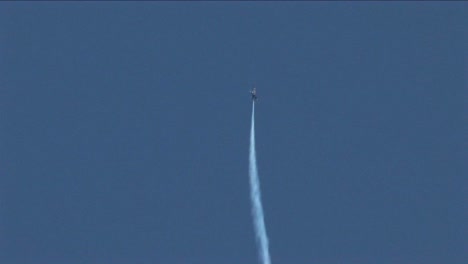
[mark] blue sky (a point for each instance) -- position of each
(124, 131)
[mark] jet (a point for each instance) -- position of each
(253, 92)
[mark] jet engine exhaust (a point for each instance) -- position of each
(255, 196)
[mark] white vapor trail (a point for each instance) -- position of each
(255, 196)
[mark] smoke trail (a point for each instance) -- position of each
(257, 210)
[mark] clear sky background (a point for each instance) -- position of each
(124, 132)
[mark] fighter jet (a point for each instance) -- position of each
(253, 92)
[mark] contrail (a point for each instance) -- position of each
(255, 196)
